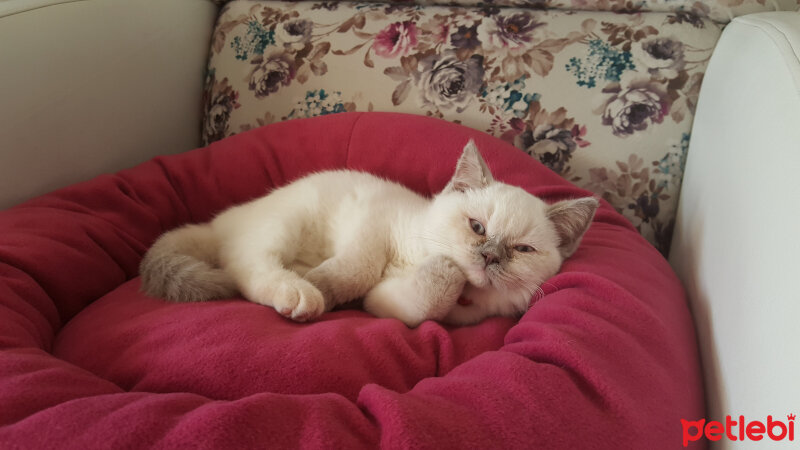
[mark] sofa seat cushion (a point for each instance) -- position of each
(605, 357)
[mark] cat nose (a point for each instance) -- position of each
(490, 258)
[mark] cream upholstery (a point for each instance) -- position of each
(735, 245)
(90, 87)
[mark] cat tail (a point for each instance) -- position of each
(183, 266)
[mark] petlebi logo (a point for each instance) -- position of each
(740, 429)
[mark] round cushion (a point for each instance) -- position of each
(604, 358)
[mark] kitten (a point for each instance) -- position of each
(479, 248)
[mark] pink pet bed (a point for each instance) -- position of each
(606, 358)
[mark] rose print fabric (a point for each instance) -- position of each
(686, 10)
(604, 99)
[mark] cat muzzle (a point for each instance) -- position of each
(490, 258)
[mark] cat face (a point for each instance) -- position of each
(498, 235)
(502, 237)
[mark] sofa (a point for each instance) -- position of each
(643, 104)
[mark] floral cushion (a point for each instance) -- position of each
(606, 100)
(718, 10)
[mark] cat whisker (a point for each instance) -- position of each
(441, 244)
(534, 292)
(511, 278)
(445, 245)
(432, 239)
(555, 288)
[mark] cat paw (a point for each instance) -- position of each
(298, 300)
(444, 271)
(440, 282)
(324, 281)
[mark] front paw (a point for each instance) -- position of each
(443, 271)
(299, 300)
(441, 281)
(323, 280)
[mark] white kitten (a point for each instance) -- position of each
(336, 236)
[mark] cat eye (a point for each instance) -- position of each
(477, 227)
(524, 248)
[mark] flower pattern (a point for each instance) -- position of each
(662, 56)
(633, 104)
(446, 82)
(465, 37)
(294, 32)
(396, 40)
(512, 33)
(319, 103)
(219, 100)
(552, 138)
(682, 11)
(602, 63)
(605, 100)
(270, 72)
(509, 98)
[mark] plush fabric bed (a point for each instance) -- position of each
(606, 358)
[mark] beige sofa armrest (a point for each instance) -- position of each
(95, 86)
(736, 241)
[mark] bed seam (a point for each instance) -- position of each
(350, 140)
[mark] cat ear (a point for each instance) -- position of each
(571, 219)
(471, 171)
